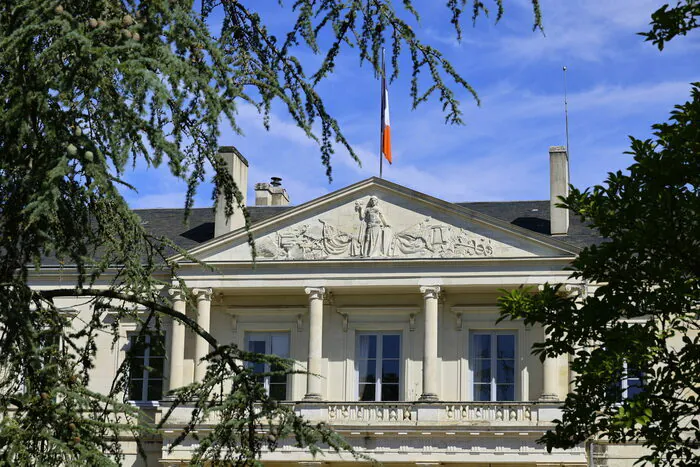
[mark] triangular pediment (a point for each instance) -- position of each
(379, 220)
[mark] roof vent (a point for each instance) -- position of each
(275, 181)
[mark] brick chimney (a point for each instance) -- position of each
(238, 168)
(558, 186)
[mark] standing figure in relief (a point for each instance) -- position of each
(375, 232)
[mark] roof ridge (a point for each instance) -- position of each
(506, 201)
(168, 209)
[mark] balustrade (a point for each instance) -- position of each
(480, 412)
(420, 413)
(371, 413)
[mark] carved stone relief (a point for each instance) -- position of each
(373, 237)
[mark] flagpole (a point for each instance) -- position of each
(566, 117)
(566, 114)
(381, 116)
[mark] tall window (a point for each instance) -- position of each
(631, 383)
(270, 343)
(493, 366)
(147, 355)
(378, 366)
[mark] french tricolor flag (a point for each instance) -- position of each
(386, 125)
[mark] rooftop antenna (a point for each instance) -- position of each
(566, 117)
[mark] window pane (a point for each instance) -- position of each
(367, 370)
(278, 391)
(482, 345)
(634, 388)
(257, 346)
(258, 367)
(137, 346)
(157, 345)
(367, 392)
(280, 344)
(136, 390)
(505, 346)
(390, 371)
(155, 367)
(391, 346)
(505, 392)
(505, 371)
(482, 371)
(280, 378)
(482, 392)
(155, 389)
(137, 364)
(367, 346)
(635, 382)
(390, 392)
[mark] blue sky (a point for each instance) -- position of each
(618, 85)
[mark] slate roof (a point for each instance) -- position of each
(534, 215)
(200, 225)
(531, 215)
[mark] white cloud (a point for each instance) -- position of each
(580, 31)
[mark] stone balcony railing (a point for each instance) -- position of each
(434, 413)
(417, 432)
(406, 414)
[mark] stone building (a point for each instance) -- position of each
(389, 296)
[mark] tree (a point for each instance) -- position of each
(88, 87)
(635, 338)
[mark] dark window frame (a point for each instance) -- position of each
(381, 387)
(267, 380)
(147, 376)
(493, 383)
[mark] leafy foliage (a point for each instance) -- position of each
(89, 88)
(641, 317)
(668, 23)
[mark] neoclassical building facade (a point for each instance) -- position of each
(388, 297)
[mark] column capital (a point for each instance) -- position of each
(203, 294)
(430, 291)
(176, 293)
(315, 293)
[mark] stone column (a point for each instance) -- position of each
(201, 346)
(550, 387)
(430, 343)
(177, 343)
(313, 378)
